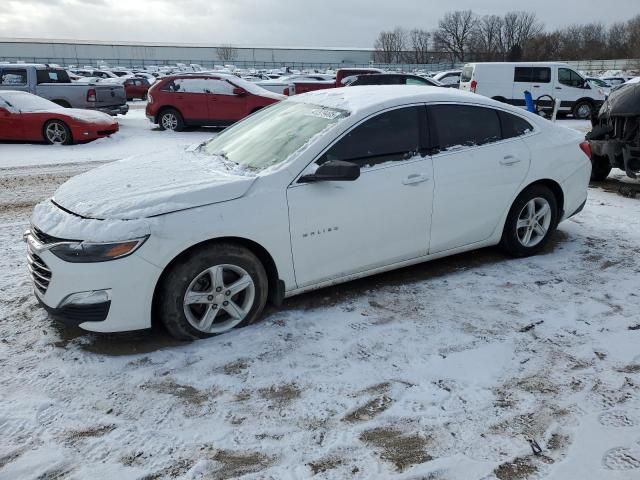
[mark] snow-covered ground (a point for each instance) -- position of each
(441, 371)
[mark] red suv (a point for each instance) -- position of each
(214, 100)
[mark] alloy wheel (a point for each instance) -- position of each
(219, 298)
(169, 121)
(56, 133)
(534, 221)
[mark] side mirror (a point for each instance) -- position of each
(239, 91)
(333, 171)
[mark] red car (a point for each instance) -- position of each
(136, 88)
(27, 117)
(204, 100)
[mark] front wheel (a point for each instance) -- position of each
(583, 110)
(531, 221)
(56, 132)
(600, 168)
(211, 291)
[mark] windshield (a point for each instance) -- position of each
(26, 102)
(272, 135)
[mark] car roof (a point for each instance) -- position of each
(369, 99)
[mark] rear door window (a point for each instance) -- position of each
(192, 85)
(513, 126)
(13, 77)
(459, 126)
(415, 81)
(388, 137)
(541, 75)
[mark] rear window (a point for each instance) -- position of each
(467, 73)
(52, 76)
(464, 125)
(13, 77)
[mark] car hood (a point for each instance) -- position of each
(87, 115)
(151, 185)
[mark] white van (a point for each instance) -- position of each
(507, 83)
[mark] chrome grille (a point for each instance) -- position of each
(40, 273)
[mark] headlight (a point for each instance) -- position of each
(88, 252)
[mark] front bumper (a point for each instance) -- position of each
(129, 281)
(114, 110)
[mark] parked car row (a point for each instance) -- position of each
(53, 83)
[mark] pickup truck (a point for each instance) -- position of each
(293, 85)
(54, 84)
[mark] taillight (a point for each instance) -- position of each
(91, 95)
(586, 148)
(286, 91)
(474, 85)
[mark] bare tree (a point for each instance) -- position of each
(455, 31)
(227, 53)
(487, 37)
(419, 39)
(389, 46)
(517, 30)
(617, 40)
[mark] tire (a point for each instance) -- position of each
(600, 168)
(56, 132)
(202, 283)
(129, 99)
(170, 119)
(520, 221)
(144, 97)
(583, 110)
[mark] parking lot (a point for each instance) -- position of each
(445, 370)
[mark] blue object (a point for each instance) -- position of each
(528, 100)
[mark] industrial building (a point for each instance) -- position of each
(129, 54)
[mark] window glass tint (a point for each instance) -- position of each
(541, 75)
(52, 76)
(389, 136)
(523, 74)
(13, 77)
(220, 87)
(467, 73)
(192, 85)
(570, 78)
(513, 126)
(464, 125)
(416, 81)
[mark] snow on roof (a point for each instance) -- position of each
(374, 97)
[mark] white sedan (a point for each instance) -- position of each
(318, 189)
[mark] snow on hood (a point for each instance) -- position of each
(150, 185)
(54, 221)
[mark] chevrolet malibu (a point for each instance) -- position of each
(316, 190)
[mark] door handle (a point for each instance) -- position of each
(415, 178)
(509, 160)
(558, 88)
(536, 86)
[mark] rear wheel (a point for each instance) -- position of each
(56, 132)
(171, 120)
(583, 110)
(600, 168)
(531, 221)
(211, 291)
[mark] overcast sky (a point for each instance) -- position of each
(349, 23)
